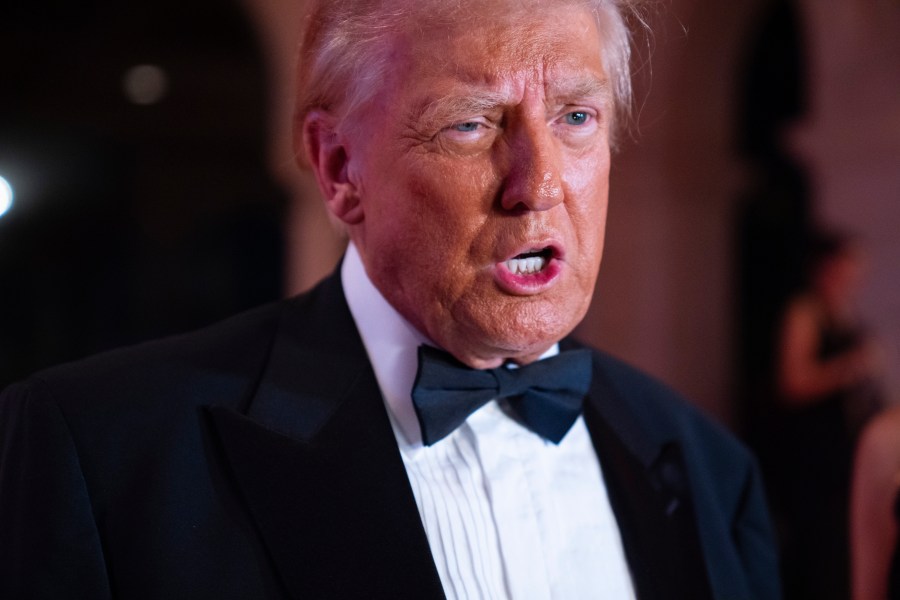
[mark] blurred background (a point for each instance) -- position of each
(147, 148)
(133, 141)
(148, 184)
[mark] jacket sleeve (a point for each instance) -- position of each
(49, 543)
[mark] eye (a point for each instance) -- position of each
(577, 117)
(467, 127)
(468, 135)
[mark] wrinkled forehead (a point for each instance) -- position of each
(504, 26)
(500, 40)
(460, 11)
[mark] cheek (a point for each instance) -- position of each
(590, 192)
(428, 227)
(452, 205)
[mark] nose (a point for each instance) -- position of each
(533, 180)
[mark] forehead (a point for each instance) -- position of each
(499, 44)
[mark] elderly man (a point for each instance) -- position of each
(419, 425)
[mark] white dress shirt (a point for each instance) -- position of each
(507, 514)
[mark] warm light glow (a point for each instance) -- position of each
(145, 84)
(6, 196)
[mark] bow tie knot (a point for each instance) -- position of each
(545, 395)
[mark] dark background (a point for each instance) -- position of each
(131, 221)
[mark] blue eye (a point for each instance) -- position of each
(466, 127)
(576, 118)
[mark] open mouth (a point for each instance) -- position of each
(529, 263)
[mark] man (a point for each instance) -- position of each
(465, 148)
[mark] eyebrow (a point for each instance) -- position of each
(583, 87)
(453, 107)
(474, 101)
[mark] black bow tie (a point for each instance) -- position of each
(545, 395)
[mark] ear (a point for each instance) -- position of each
(330, 163)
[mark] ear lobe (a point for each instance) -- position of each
(331, 165)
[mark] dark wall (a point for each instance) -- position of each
(132, 220)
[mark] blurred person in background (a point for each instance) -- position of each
(826, 387)
(875, 510)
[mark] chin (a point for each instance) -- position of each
(528, 334)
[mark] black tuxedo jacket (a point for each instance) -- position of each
(255, 459)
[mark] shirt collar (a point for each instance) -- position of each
(391, 343)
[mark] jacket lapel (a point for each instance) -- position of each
(313, 470)
(649, 491)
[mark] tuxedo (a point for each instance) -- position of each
(256, 459)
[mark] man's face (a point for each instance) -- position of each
(482, 169)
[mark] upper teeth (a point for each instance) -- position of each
(528, 265)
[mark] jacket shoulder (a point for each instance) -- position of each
(225, 353)
(663, 412)
(726, 488)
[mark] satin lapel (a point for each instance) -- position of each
(647, 482)
(313, 468)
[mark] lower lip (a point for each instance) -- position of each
(527, 285)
